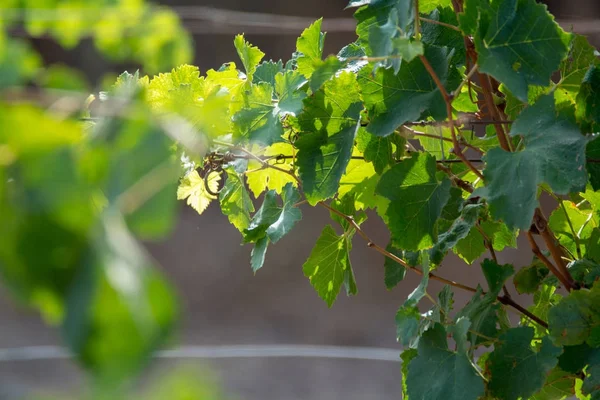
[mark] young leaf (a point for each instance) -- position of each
(554, 154)
(328, 264)
(310, 45)
(417, 200)
(250, 55)
(288, 87)
(454, 379)
(330, 121)
(516, 371)
(511, 51)
(393, 99)
(260, 178)
(529, 279)
(193, 188)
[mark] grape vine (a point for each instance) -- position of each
(447, 119)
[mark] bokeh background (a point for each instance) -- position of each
(223, 302)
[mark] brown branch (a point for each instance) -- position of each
(541, 223)
(448, 101)
(502, 299)
(537, 252)
(432, 21)
(460, 183)
(507, 300)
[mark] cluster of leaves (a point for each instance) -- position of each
(383, 126)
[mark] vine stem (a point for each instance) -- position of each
(541, 223)
(433, 21)
(448, 101)
(537, 252)
(428, 135)
(502, 299)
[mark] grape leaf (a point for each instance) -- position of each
(408, 316)
(379, 23)
(554, 154)
(235, 200)
(516, 371)
(473, 246)
(427, 6)
(459, 230)
(455, 377)
(417, 200)
(328, 264)
(324, 70)
(351, 56)
(588, 98)
(593, 165)
(393, 99)
(310, 45)
(266, 71)
(258, 253)
(288, 87)
(112, 324)
(376, 149)
(573, 69)
(260, 178)
(559, 385)
(330, 121)
(443, 36)
(394, 272)
(576, 318)
(272, 220)
(563, 221)
(193, 188)
(529, 278)
(250, 55)
(519, 43)
(259, 120)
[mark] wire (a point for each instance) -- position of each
(41, 353)
(201, 20)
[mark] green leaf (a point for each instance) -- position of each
(376, 149)
(417, 201)
(112, 324)
(393, 99)
(379, 24)
(554, 154)
(394, 272)
(266, 71)
(250, 55)
(408, 49)
(593, 168)
(576, 319)
(407, 356)
(351, 56)
(427, 6)
(473, 246)
(588, 98)
(455, 377)
(310, 45)
(529, 279)
(459, 230)
(235, 200)
(572, 225)
(573, 69)
(408, 316)
(511, 51)
(328, 264)
(289, 90)
(482, 310)
(443, 36)
(259, 251)
(516, 371)
(272, 220)
(324, 70)
(329, 121)
(260, 178)
(259, 120)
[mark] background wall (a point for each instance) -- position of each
(222, 301)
